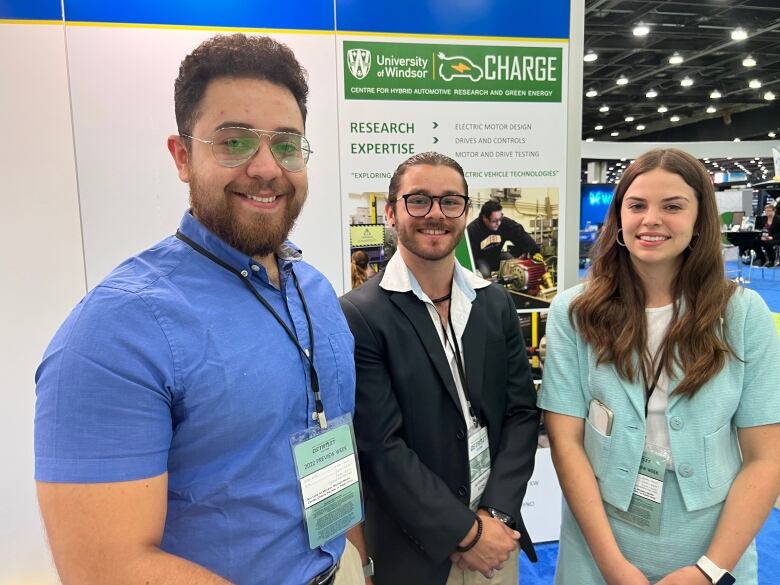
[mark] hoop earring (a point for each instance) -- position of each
(692, 243)
(623, 243)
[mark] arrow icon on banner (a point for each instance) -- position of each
(435, 125)
(435, 140)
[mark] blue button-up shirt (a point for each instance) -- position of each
(170, 364)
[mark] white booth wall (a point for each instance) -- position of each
(41, 256)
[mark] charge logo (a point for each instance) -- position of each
(452, 67)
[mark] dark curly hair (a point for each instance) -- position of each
(236, 55)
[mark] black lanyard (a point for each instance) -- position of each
(309, 355)
(649, 389)
(461, 372)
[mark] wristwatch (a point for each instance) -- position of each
(368, 568)
(714, 573)
(502, 516)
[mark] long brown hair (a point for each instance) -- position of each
(359, 268)
(610, 313)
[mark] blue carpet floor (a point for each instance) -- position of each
(761, 281)
(768, 544)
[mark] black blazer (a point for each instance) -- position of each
(411, 434)
(774, 227)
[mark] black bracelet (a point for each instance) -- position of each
(473, 543)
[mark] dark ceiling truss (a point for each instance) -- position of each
(700, 32)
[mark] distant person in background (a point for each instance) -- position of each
(660, 394)
(769, 226)
(488, 233)
(361, 269)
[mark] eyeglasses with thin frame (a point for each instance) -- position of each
(452, 205)
(234, 146)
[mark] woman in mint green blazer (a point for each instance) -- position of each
(661, 402)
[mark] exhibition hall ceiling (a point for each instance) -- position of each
(696, 70)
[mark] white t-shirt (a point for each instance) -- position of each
(657, 436)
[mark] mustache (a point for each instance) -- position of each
(257, 187)
(433, 225)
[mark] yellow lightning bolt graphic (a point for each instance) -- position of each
(461, 67)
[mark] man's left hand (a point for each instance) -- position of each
(690, 575)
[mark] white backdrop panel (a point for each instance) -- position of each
(122, 92)
(42, 267)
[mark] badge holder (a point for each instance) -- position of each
(479, 464)
(644, 511)
(328, 475)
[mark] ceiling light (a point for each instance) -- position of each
(676, 59)
(641, 30)
(604, 109)
(711, 110)
(769, 96)
(674, 119)
(640, 127)
(651, 93)
(754, 84)
(686, 82)
(629, 118)
(591, 93)
(615, 133)
(598, 127)
(589, 140)
(590, 57)
(739, 34)
(623, 159)
(736, 140)
(715, 95)
(662, 109)
(622, 80)
(749, 61)
(771, 134)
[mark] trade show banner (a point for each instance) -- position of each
(490, 92)
(496, 104)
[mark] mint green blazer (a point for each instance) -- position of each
(702, 429)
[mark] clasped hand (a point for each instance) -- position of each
(493, 548)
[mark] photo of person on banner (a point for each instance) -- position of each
(503, 251)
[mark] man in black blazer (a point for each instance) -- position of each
(445, 417)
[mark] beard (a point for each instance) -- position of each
(254, 234)
(407, 233)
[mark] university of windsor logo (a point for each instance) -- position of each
(359, 61)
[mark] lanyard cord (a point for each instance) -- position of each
(649, 389)
(309, 355)
(461, 372)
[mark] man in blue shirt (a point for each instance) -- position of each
(167, 399)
